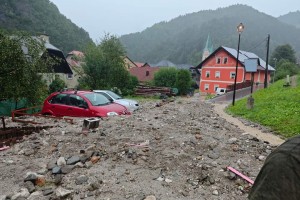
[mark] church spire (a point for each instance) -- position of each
(208, 48)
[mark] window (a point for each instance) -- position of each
(147, 73)
(217, 74)
(207, 74)
(206, 86)
(218, 60)
(69, 76)
(216, 87)
(77, 101)
(225, 60)
(232, 75)
(59, 99)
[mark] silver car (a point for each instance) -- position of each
(130, 104)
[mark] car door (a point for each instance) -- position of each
(59, 104)
(78, 107)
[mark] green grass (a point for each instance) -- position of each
(277, 107)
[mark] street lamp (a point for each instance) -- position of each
(240, 29)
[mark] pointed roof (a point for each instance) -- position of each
(209, 45)
(243, 55)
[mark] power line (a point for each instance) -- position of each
(258, 44)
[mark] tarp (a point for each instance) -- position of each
(279, 178)
(6, 106)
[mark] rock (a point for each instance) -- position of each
(56, 170)
(261, 158)
(61, 192)
(51, 164)
(48, 191)
(88, 164)
(61, 161)
(40, 181)
(94, 186)
(3, 197)
(211, 180)
(95, 159)
(151, 197)
(42, 171)
(81, 179)
(198, 136)
(231, 175)
(215, 192)
(84, 158)
(73, 160)
(36, 196)
(24, 193)
(232, 140)
(213, 155)
(160, 178)
(28, 152)
(30, 186)
(30, 176)
(58, 178)
(79, 165)
(168, 180)
(67, 169)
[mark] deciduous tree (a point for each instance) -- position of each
(21, 67)
(104, 66)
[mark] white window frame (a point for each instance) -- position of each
(207, 74)
(206, 86)
(217, 74)
(69, 77)
(225, 59)
(232, 75)
(216, 87)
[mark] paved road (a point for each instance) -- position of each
(226, 98)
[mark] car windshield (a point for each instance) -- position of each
(97, 99)
(114, 95)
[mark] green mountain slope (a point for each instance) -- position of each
(292, 18)
(42, 16)
(182, 39)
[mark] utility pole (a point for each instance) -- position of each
(267, 59)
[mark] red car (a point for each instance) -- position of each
(81, 104)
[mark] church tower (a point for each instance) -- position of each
(208, 48)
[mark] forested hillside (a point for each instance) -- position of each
(182, 39)
(42, 16)
(292, 18)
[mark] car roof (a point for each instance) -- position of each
(101, 90)
(75, 92)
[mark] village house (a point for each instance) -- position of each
(75, 60)
(61, 67)
(143, 74)
(218, 70)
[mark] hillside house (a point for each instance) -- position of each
(75, 60)
(139, 64)
(144, 74)
(60, 68)
(218, 70)
(129, 63)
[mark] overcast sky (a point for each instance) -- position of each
(121, 17)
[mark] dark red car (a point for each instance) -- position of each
(81, 104)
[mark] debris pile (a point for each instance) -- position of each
(180, 149)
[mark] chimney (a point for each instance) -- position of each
(45, 37)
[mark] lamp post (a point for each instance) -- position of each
(240, 29)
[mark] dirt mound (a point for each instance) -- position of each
(177, 149)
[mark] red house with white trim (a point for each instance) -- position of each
(218, 70)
